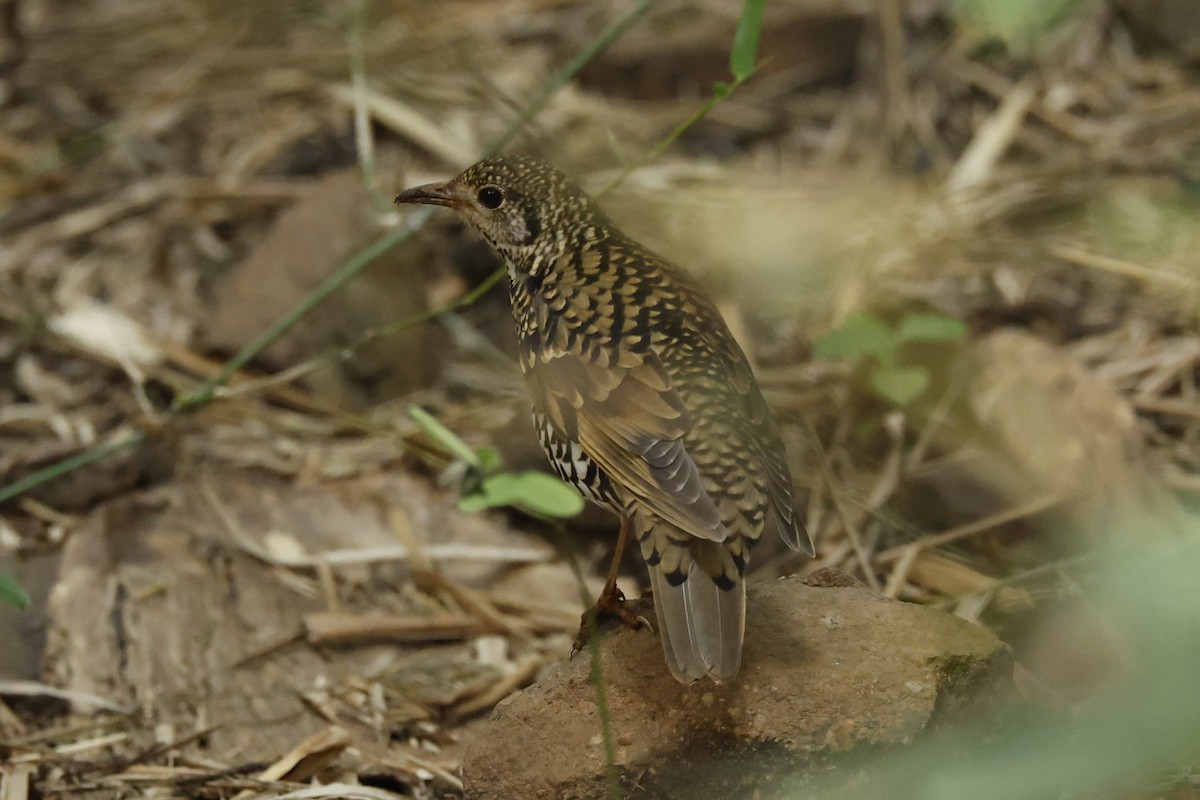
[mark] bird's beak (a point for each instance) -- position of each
(431, 194)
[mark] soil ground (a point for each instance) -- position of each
(276, 584)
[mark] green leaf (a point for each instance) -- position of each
(1020, 24)
(477, 501)
(545, 494)
(860, 335)
(901, 385)
(12, 593)
(931, 328)
(745, 41)
(720, 89)
(473, 503)
(494, 491)
(444, 436)
(490, 459)
(535, 492)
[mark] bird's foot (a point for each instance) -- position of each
(609, 605)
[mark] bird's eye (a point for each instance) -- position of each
(490, 197)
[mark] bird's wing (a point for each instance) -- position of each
(782, 513)
(629, 419)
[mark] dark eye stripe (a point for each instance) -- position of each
(533, 225)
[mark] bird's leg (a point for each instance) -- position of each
(611, 602)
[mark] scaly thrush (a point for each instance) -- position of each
(642, 399)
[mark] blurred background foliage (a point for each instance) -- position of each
(958, 237)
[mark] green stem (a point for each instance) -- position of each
(369, 335)
(671, 137)
(207, 390)
(80, 459)
(351, 268)
(560, 78)
(444, 436)
(602, 712)
(468, 299)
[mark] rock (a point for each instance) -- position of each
(1175, 22)
(825, 670)
(332, 219)
(173, 603)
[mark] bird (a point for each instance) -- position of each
(642, 400)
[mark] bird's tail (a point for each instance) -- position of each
(701, 624)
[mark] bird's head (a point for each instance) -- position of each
(528, 210)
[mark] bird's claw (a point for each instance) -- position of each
(610, 605)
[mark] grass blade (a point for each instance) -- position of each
(12, 593)
(745, 41)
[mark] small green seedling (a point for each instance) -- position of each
(742, 65)
(865, 337)
(12, 593)
(487, 485)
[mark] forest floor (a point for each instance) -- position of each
(272, 580)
